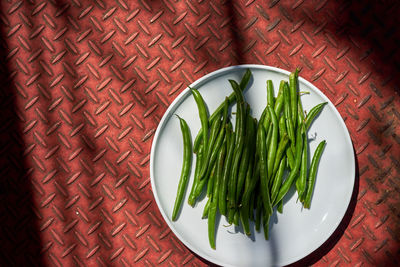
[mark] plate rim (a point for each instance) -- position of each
(181, 98)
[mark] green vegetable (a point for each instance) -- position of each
(244, 169)
(313, 113)
(302, 179)
(187, 163)
(201, 106)
(240, 134)
(313, 173)
(212, 213)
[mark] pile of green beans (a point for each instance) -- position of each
(245, 171)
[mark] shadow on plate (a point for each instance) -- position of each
(338, 233)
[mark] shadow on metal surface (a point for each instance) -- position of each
(371, 27)
(19, 229)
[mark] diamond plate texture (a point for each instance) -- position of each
(85, 83)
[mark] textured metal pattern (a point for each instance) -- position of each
(85, 83)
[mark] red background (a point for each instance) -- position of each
(85, 83)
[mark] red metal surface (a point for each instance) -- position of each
(85, 83)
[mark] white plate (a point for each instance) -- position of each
(293, 234)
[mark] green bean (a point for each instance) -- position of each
(266, 218)
(256, 170)
(240, 130)
(252, 206)
(228, 161)
(259, 210)
(282, 132)
(245, 202)
(244, 169)
(270, 94)
(260, 136)
(290, 158)
(276, 185)
(225, 112)
(231, 99)
(282, 126)
(313, 113)
(206, 209)
(251, 180)
(232, 183)
(202, 114)
(300, 112)
(214, 131)
(216, 148)
(302, 179)
(250, 183)
(216, 138)
(293, 172)
(240, 111)
(281, 149)
(236, 218)
(266, 122)
(260, 124)
(203, 182)
(244, 163)
(197, 141)
(269, 136)
(231, 214)
(274, 143)
(187, 163)
(264, 175)
(244, 209)
(288, 114)
(260, 148)
(261, 161)
(192, 197)
(279, 100)
(214, 202)
(313, 173)
(211, 178)
(293, 83)
(200, 186)
(245, 79)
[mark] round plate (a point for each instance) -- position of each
(295, 233)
